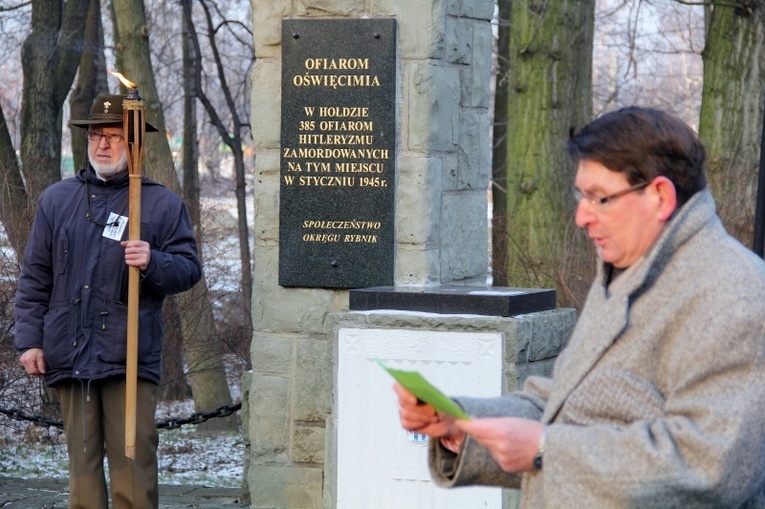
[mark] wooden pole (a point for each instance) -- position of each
(134, 125)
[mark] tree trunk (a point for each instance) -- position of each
(549, 94)
(233, 140)
(190, 160)
(730, 123)
(244, 237)
(91, 81)
(134, 62)
(49, 59)
(174, 385)
(206, 370)
(15, 209)
(499, 153)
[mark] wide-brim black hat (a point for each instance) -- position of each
(106, 109)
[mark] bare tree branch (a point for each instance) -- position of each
(743, 5)
(15, 7)
(232, 138)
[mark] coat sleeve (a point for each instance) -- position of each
(35, 284)
(474, 464)
(174, 266)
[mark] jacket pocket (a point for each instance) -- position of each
(58, 343)
(113, 335)
(613, 396)
(114, 331)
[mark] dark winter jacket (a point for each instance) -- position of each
(72, 293)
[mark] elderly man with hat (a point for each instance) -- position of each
(71, 309)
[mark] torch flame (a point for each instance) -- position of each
(124, 80)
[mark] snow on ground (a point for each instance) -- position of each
(186, 456)
(189, 457)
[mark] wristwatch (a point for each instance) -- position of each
(538, 458)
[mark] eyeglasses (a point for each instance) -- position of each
(95, 137)
(600, 202)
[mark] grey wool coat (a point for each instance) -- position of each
(658, 399)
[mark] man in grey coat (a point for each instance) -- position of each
(658, 399)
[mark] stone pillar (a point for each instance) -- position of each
(443, 168)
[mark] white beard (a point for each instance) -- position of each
(109, 171)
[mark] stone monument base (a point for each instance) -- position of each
(456, 299)
(367, 452)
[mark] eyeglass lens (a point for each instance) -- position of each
(596, 201)
(95, 136)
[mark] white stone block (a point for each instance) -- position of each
(379, 463)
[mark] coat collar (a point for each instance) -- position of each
(90, 174)
(688, 220)
(605, 317)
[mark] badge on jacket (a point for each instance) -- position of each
(115, 226)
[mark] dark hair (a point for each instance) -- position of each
(644, 143)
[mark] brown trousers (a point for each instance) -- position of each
(94, 423)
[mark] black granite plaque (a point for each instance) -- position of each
(336, 203)
(454, 299)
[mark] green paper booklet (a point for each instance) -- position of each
(415, 383)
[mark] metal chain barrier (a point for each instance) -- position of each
(200, 417)
(37, 420)
(172, 423)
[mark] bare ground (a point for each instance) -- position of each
(46, 493)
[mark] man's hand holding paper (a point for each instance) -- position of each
(513, 442)
(425, 409)
(425, 392)
(423, 418)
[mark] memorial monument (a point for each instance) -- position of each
(372, 129)
(338, 153)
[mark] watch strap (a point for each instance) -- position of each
(537, 461)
